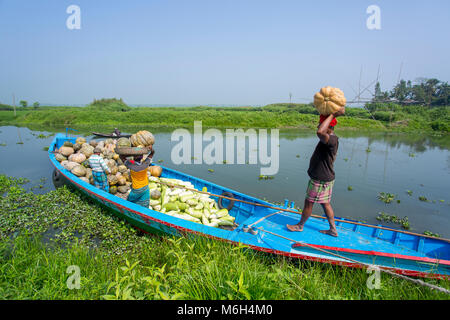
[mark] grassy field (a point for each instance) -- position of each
(42, 235)
(381, 117)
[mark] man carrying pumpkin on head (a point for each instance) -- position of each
(139, 193)
(321, 166)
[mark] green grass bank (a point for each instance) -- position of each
(42, 235)
(379, 117)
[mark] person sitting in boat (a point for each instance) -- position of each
(99, 167)
(116, 132)
(322, 174)
(140, 193)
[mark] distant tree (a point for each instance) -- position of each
(401, 91)
(443, 94)
(36, 105)
(23, 103)
(379, 95)
(426, 91)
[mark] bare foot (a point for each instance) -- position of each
(294, 227)
(332, 233)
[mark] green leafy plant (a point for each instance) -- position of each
(404, 222)
(239, 288)
(386, 197)
(431, 234)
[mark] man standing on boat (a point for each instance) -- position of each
(321, 172)
(99, 168)
(140, 193)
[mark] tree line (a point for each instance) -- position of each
(429, 92)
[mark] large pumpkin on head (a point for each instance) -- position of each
(142, 138)
(329, 100)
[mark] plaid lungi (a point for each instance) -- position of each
(100, 180)
(319, 191)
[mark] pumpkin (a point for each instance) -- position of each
(109, 141)
(76, 147)
(123, 189)
(93, 143)
(80, 140)
(77, 157)
(121, 181)
(59, 157)
(123, 143)
(113, 190)
(142, 138)
(66, 151)
(85, 179)
(88, 173)
(79, 171)
(122, 169)
(112, 180)
(114, 170)
(329, 100)
(115, 156)
(110, 148)
(69, 165)
(109, 154)
(155, 171)
(87, 150)
(68, 144)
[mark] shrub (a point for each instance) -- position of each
(439, 125)
(110, 105)
(384, 116)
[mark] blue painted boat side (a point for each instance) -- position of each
(356, 238)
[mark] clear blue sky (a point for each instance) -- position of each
(242, 52)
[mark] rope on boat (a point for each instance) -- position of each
(298, 212)
(263, 218)
(417, 281)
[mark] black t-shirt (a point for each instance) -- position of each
(321, 163)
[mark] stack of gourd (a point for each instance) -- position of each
(193, 206)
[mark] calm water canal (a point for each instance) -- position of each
(368, 163)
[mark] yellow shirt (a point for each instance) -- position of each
(139, 179)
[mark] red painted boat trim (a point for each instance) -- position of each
(262, 249)
(375, 253)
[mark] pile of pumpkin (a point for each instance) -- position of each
(166, 195)
(169, 196)
(74, 157)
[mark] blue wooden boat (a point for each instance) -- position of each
(404, 253)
